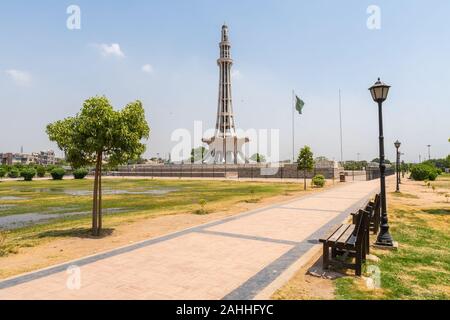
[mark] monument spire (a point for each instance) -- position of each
(225, 145)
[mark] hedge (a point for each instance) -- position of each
(58, 173)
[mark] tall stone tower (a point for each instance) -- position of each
(225, 147)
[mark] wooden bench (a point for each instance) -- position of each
(348, 240)
(374, 208)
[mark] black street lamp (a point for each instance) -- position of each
(379, 92)
(397, 165)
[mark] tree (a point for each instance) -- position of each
(198, 154)
(258, 157)
(355, 165)
(377, 160)
(305, 161)
(98, 132)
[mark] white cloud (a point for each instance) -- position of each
(147, 68)
(20, 78)
(112, 49)
(236, 74)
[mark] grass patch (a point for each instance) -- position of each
(184, 196)
(404, 195)
(438, 211)
(420, 269)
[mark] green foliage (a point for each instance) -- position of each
(318, 181)
(40, 170)
(355, 165)
(99, 131)
(377, 160)
(439, 163)
(80, 173)
(50, 167)
(421, 172)
(18, 166)
(3, 172)
(202, 210)
(198, 154)
(58, 173)
(14, 173)
(28, 173)
(305, 160)
(138, 160)
(259, 158)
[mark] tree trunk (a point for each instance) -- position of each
(100, 196)
(94, 203)
(304, 179)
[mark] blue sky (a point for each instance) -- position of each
(316, 48)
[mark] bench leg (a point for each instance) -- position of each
(358, 261)
(326, 257)
(333, 252)
(367, 243)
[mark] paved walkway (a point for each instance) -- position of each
(234, 258)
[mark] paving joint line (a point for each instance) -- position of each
(248, 237)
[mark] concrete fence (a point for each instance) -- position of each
(287, 171)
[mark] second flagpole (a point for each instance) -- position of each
(293, 128)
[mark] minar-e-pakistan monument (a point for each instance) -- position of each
(225, 146)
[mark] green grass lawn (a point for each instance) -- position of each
(57, 197)
(420, 269)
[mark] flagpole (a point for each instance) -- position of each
(340, 124)
(293, 136)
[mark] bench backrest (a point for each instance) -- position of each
(361, 226)
(377, 205)
(377, 199)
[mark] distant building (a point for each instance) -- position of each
(45, 157)
(10, 158)
(322, 162)
(6, 158)
(42, 157)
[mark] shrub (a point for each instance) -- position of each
(28, 174)
(80, 173)
(58, 173)
(14, 173)
(202, 210)
(2, 172)
(421, 172)
(318, 181)
(40, 170)
(433, 175)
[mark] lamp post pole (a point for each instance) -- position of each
(397, 166)
(379, 93)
